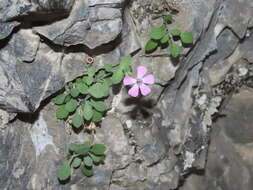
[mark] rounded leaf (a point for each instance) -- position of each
(88, 161)
(157, 33)
(96, 159)
(59, 99)
(151, 45)
(77, 121)
(108, 67)
(165, 39)
(108, 81)
(117, 77)
(61, 112)
(87, 171)
(186, 37)
(71, 105)
(175, 50)
(98, 149)
(91, 71)
(82, 149)
(105, 88)
(68, 98)
(63, 172)
(76, 162)
(167, 18)
(87, 111)
(175, 32)
(95, 90)
(99, 105)
(89, 80)
(100, 74)
(82, 88)
(74, 92)
(97, 116)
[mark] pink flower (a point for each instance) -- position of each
(139, 83)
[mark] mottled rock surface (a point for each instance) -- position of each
(154, 142)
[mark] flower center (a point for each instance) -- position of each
(139, 82)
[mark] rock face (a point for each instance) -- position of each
(230, 151)
(153, 142)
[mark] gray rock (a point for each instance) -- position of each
(230, 152)
(86, 25)
(6, 28)
(153, 142)
(42, 10)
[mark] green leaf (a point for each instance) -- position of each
(76, 162)
(61, 112)
(63, 172)
(91, 71)
(59, 99)
(175, 32)
(71, 105)
(167, 18)
(82, 149)
(124, 64)
(117, 77)
(163, 27)
(68, 98)
(98, 149)
(87, 111)
(105, 89)
(89, 80)
(186, 37)
(74, 92)
(82, 88)
(70, 84)
(87, 171)
(79, 80)
(95, 90)
(175, 50)
(100, 74)
(151, 45)
(165, 39)
(96, 159)
(108, 81)
(88, 161)
(97, 116)
(77, 121)
(126, 60)
(99, 105)
(108, 68)
(87, 144)
(157, 33)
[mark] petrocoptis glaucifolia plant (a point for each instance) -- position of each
(83, 156)
(174, 39)
(83, 101)
(83, 104)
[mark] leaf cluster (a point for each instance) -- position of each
(84, 98)
(174, 39)
(83, 156)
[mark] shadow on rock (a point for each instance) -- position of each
(141, 107)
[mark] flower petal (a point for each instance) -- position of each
(134, 91)
(149, 79)
(129, 80)
(141, 71)
(145, 90)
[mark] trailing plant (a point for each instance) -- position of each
(174, 39)
(83, 104)
(83, 100)
(83, 156)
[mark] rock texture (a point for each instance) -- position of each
(154, 142)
